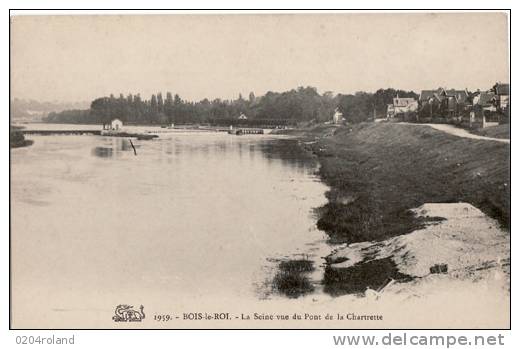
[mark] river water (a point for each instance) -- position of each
(194, 222)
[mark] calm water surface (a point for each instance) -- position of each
(192, 219)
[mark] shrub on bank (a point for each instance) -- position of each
(17, 139)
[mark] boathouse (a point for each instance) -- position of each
(115, 125)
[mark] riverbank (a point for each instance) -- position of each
(17, 139)
(379, 174)
(379, 171)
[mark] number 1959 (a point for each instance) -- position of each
(163, 317)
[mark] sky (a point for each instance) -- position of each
(79, 58)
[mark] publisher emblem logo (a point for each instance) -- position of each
(127, 313)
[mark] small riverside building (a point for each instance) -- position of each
(390, 111)
(337, 117)
(115, 125)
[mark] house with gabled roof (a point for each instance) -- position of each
(454, 101)
(460, 95)
(443, 102)
(401, 106)
(490, 107)
(337, 118)
(501, 89)
(501, 92)
(484, 99)
(427, 96)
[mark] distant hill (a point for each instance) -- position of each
(23, 110)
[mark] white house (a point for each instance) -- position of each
(242, 116)
(337, 117)
(115, 125)
(401, 106)
(390, 111)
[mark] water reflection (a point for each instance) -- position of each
(285, 151)
(103, 152)
(178, 148)
(114, 146)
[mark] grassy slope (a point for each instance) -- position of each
(500, 131)
(379, 171)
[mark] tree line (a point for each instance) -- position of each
(303, 104)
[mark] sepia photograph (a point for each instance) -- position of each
(306, 170)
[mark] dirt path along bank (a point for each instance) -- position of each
(459, 132)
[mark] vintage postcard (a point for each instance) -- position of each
(260, 171)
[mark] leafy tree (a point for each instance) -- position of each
(154, 109)
(160, 103)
